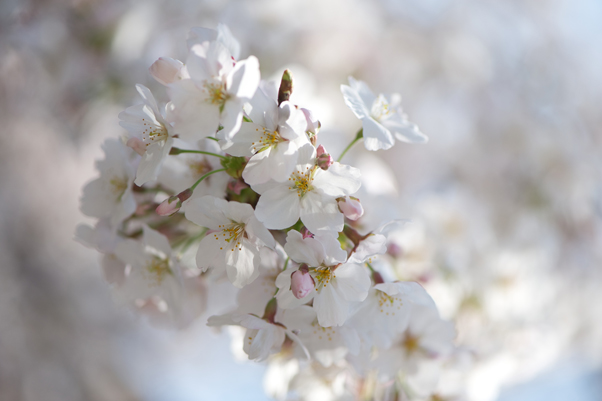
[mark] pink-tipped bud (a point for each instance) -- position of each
(324, 159)
(136, 144)
(302, 283)
(169, 206)
(165, 70)
(351, 207)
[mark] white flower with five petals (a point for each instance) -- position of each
(338, 285)
(111, 194)
(382, 121)
(151, 135)
(310, 194)
(215, 93)
(235, 238)
(271, 140)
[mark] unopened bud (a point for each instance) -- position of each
(169, 206)
(165, 70)
(136, 144)
(351, 207)
(301, 284)
(286, 87)
(324, 160)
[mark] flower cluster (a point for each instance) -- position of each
(226, 181)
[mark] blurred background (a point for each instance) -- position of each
(506, 198)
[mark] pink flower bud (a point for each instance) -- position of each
(351, 207)
(136, 144)
(169, 206)
(324, 159)
(301, 284)
(165, 70)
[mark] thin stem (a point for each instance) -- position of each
(360, 135)
(286, 263)
(205, 176)
(177, 151)
(212, 138)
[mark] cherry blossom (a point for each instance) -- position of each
(110, 196)
(271, 140)
(310, 194)
(382, 120)
(146, 123)
(235, 241)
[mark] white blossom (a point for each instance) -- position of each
(110, 196)
(310, 194)
(156, 283)
(271, 140)
(339, 285)
(215, 93)
(382, 121)
(233, 245)
(146, 123)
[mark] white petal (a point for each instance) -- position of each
(231, 119)
(255, 229)
(207, 211)
(320, 213)
(263, 104)
(375, 244)
(238, 212)
(304, 250)
(242, 142)
(363, 91)
(278, 207)
(241, 263)
(209, 254)
(150, 163)
(148, 98)
(291, 120)
(243, 81)
(352, 282)
(404, 130)
(228, 40)
(193, 117)
(156, 240)
(354, 102)
(199, 35)
(331, 308)
(338, 180)
(376, 136)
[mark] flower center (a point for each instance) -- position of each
(215, 93)
(267, 140)
(380, 108)
(388, 304)
(232, 234)
(118, 186)
(411, 343)
(154, 132)
(301, 181)
(322, 275)
(199, 167)
(158, 269)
